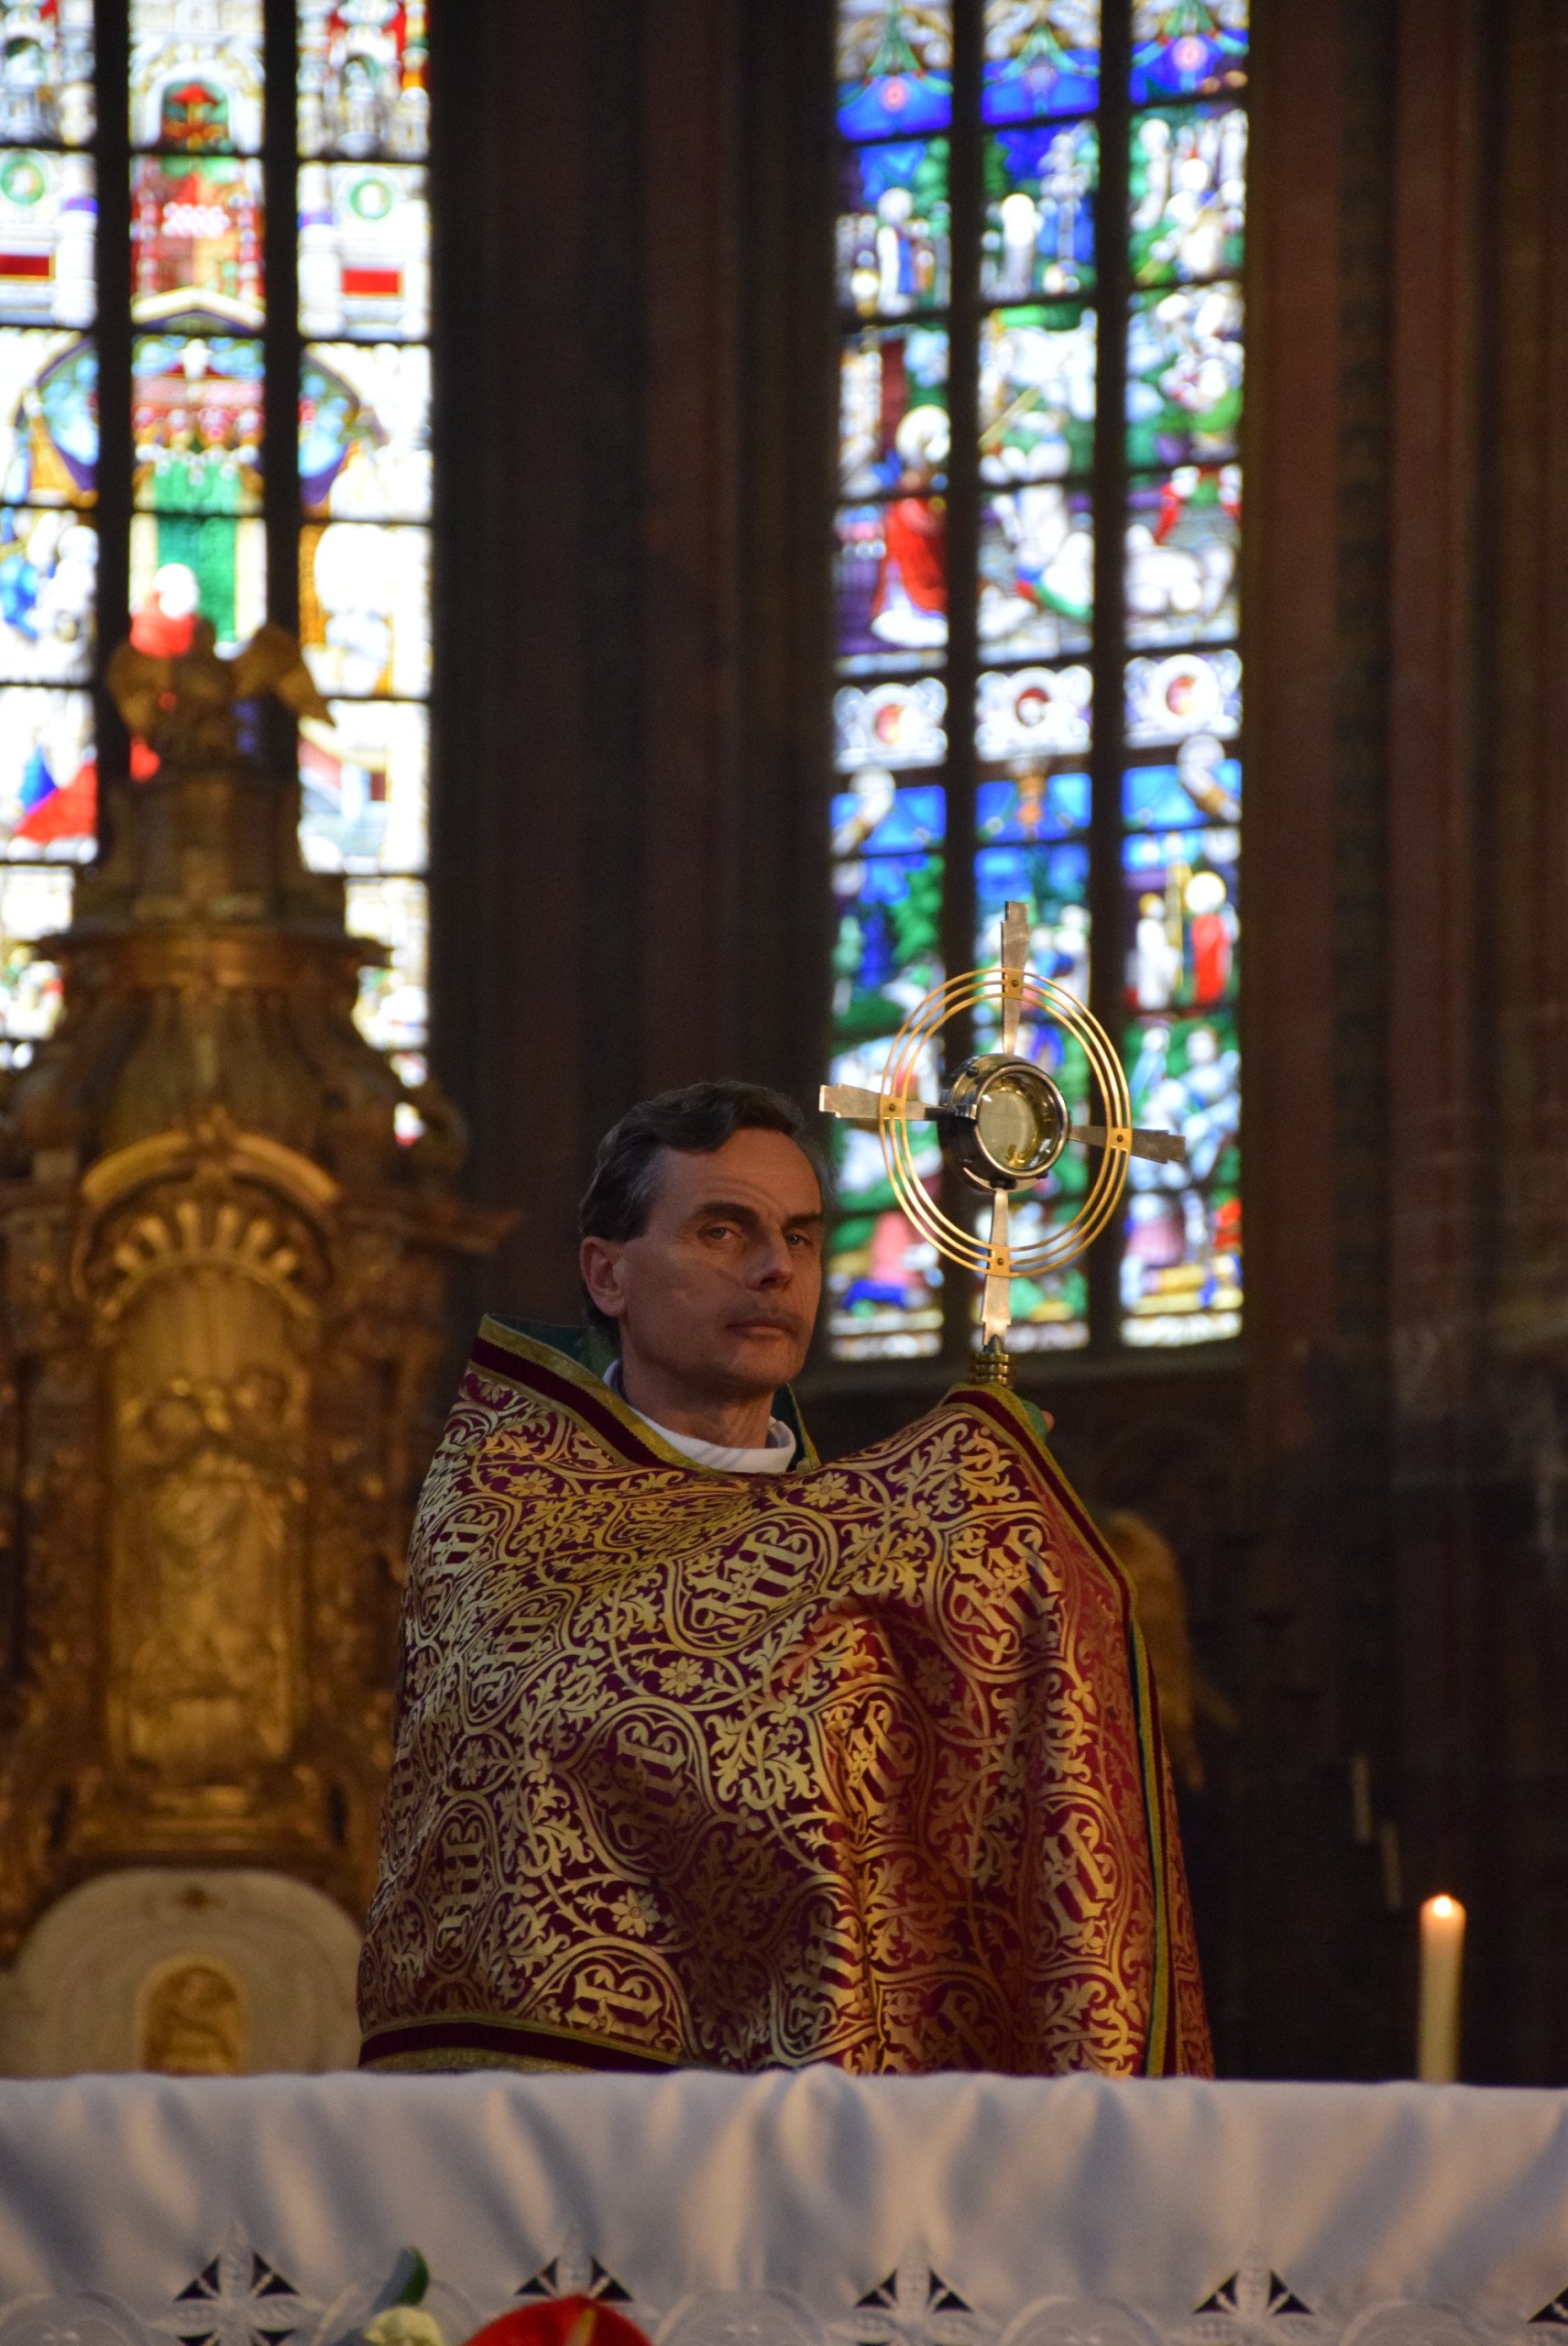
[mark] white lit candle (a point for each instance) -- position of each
(1442, 1958)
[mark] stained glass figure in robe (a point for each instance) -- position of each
(48, 779)
(892, 233)
(893, 431)
(362, 79)
(1036, 393)
(365, 607)
(45, 72)
(196, 79)
(893, 578)
(365, 431)
(1184, 376)
(1037, 570)
(1189, 194)
(1179, 855)
(1183, 537)
(1180, 1276)
(49, 571)
(1040, 217)
(48, 418)
(1042, 57)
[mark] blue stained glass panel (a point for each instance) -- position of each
(1184, 375)
(1042, 57)
(893, 240)
(1034, 712)
(48, 418)
(1184, 49)
(1036, 571)
(890, 725)
(895, 67)
(362, 79)
(1039, 216)
(1181, 918)
(1189, 194)
(893, 410)
(1183, 539)
(892, 583)
(876, 819)
(1204, 785)
(45, 73)
(365, 431)
(1182, 694)
(48, 218)
(1029, 807)
(1180, 1273)
(49, 575)
(1037, 393)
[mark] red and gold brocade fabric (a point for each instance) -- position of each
(857, 1763)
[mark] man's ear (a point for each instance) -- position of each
(600, 1263)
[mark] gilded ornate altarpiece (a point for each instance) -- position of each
(222, 1280)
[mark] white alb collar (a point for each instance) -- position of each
(774, 1459)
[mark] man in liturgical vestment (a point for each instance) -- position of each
(709, 1754)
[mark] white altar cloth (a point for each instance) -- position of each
(789, 2209)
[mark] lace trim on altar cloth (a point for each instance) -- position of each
(239, 2299)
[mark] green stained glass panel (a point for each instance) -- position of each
(893, 410)
(1188, 194)
(1184, 375)
(1037, 393)
(197, 420)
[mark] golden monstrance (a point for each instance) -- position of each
(1004, 1123)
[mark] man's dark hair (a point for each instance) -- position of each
(699, 1119)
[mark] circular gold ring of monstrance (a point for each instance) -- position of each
(1003, 1124)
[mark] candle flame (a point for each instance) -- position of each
(1443, 1906)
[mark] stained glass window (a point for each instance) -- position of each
(1038, 684)
(210, 473)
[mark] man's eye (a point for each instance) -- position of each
(719, 1230)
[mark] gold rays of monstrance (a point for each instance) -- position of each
(1004, 1123)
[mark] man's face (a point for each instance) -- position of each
(720, 1291)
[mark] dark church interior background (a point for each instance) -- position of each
(760, 487)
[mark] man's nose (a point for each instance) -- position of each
(772, 1264)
